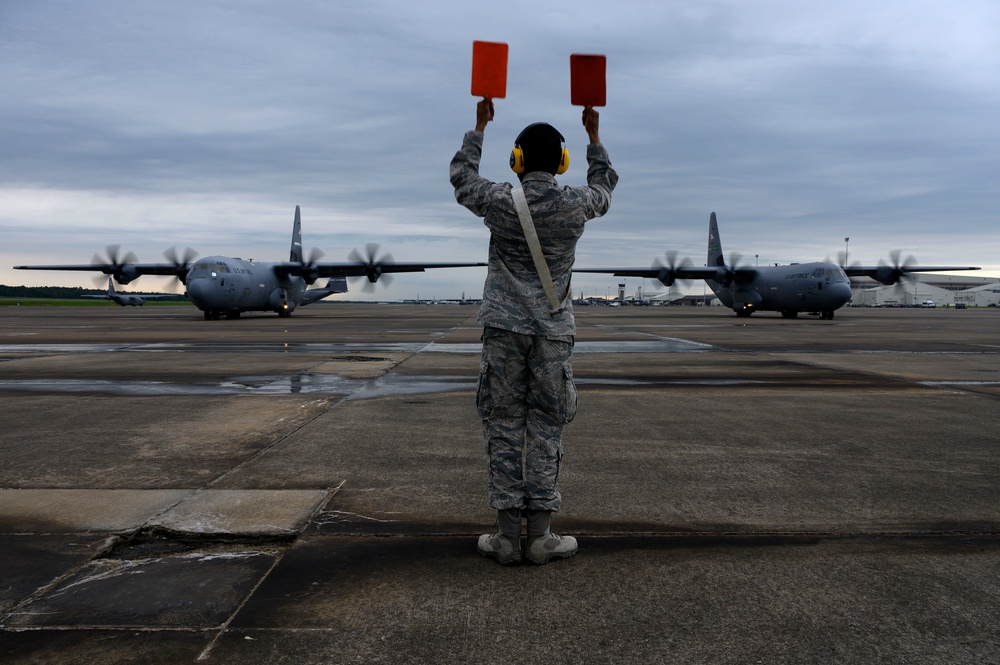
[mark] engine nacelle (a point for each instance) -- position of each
(724, 276)
(126, 274)
(887, 275)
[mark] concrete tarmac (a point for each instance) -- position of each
(310, 490)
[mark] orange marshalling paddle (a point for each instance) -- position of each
(489, 69)
(587, 80)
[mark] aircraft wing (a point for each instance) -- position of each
(665, 274)
(654, 272)
(355, 269)
(144, 296)
(122, 272)
(890, 274)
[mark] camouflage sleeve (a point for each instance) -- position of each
(472, 190)
(601, 181)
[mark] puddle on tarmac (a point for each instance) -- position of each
(305, 384)
(388, 385)
(659, 345)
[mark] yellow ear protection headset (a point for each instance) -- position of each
(517, 154)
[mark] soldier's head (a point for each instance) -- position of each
(539, 147)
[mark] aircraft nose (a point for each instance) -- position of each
(199, 291)
(841, 292)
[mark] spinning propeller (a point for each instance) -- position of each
(725, 274)
(120, 265)
(842, 261)
(309, 272)
(667, 272)
(895, 272)
(181, 263)
(372, 266)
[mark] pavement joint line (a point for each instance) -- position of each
(260, 453)
(45, 589)
(729, 536)
(332, 406)
(225, 625)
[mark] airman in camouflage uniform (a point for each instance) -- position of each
(526, 393)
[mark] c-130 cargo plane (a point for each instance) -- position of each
(224, 286)
(125, 299)
(819, 288)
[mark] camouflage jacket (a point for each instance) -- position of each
(513, 298)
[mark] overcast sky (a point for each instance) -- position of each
(203, 124)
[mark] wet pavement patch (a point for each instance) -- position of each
(200, 589)
(30, 563)
(304, 383)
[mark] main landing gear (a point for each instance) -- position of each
(216, 314)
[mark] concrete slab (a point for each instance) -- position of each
(980, 367)
(360, 365)
(242, 512)
(82, 511)
(169, 442)
(84, 647)
(200, 589)
(29, 564)
(364, 600)
(777, 498)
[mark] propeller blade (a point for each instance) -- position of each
(118, 263)
(181, 262)
(667, 272)
(372, 265)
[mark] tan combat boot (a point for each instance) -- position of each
(543, 545)
(505, 544)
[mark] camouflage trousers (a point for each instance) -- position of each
(525, 397)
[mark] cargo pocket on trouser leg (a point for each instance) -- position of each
(569, 402)
(484, 401)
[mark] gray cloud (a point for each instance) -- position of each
(204, 124)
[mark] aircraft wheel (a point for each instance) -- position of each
(789, 313)
(208, 315)
(235, 314)
(743, 313)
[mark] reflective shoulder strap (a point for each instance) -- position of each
(541, 267)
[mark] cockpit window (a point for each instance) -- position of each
(211, 267)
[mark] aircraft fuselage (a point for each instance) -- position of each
(125, 300)
(802, 287)
(221, 285)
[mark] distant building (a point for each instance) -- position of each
(944, 290)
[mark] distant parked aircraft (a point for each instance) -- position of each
(816, 288)
(221, 285)
(123, 299)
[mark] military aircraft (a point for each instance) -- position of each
(221, 285)
(124, 299)
(817, 288)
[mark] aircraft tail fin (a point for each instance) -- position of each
(111, 286)
(715, 257)
(295, 256)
